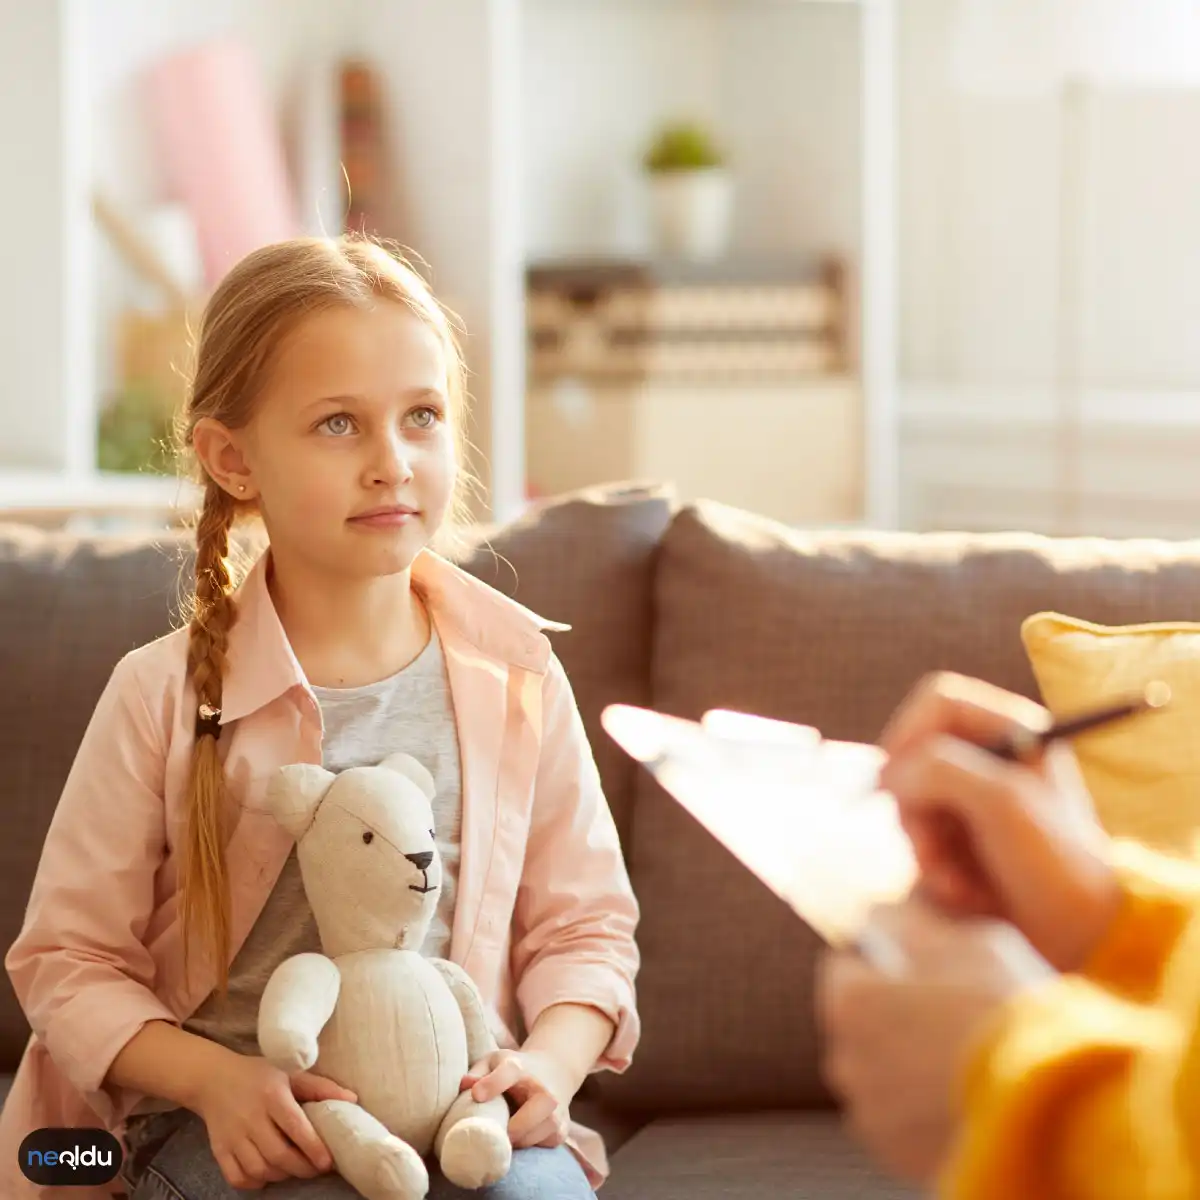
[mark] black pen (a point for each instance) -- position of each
(1025, 744)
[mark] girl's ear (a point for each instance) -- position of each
(295, 793)
(222, 458)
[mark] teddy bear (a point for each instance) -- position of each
(371, 1012)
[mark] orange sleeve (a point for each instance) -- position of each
(1161, 896)
(1089, 1088)
(1046, 1100)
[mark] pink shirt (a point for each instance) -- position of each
(545, 913)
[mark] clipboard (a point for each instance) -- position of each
(802, 813)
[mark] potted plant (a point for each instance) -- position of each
(691, 191)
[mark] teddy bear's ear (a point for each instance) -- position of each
(295, 792)
(406, 765)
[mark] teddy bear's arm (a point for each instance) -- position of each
(481, 1040)
(296, 1004)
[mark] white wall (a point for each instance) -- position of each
(790, 95)
(773, 80)
(44, 320)
(979, 225)
(979, 211)
(596, 78)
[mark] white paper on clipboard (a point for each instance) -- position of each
(802, 813)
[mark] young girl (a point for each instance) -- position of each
(328, 402)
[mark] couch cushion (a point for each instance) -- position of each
(771, 1156)
(587, 559)
(1143, 775)
(829, 629)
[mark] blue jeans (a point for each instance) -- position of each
(170, 1159)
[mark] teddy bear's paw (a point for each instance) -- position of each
(288, 1049)
(400, 1173)
(475, 1153)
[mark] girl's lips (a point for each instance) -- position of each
(385, 518)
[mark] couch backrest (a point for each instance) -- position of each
(685, 609)
(828, 629)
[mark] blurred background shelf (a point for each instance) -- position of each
(52, 498)
(530, 149)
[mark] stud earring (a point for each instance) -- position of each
(241, 487)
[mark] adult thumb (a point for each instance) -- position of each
(307, 1087)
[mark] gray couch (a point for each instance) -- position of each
(684, 608)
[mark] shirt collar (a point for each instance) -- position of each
(260, 665)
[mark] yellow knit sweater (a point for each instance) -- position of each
(1089, 1088)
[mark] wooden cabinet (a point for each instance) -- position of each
(709, 441)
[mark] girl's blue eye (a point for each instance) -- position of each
(426, 417)
(339, 424)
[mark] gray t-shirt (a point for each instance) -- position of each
(409, 712)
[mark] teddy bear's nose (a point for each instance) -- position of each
(421, 861)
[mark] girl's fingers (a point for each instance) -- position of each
(293, 1121)
(253, 1166)
(308, 1087)
(485, 1066)
(280, 1154)
(498, 1081)
(530, 1118)
(548, 1134)
(231, 1168)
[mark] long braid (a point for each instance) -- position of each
(205, 893)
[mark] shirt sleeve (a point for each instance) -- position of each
(575, 915)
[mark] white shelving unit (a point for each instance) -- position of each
(45, 325)
(880, 294)
(491, 175)
(802, 92)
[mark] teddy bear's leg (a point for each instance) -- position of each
(472, 1142)
(379, 1164)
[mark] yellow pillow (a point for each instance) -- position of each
(1144, 774)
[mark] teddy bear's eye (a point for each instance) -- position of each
(368, 837)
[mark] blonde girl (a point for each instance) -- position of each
(327, 403)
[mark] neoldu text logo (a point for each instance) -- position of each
(70, 1157)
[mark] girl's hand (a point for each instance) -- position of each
(896, 1041)
(537, 1083)
(258, 1132)
(994, 838)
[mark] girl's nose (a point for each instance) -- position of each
(390, 465)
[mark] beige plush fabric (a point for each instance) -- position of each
(370, 1011)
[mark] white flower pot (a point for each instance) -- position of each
(691, 212)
